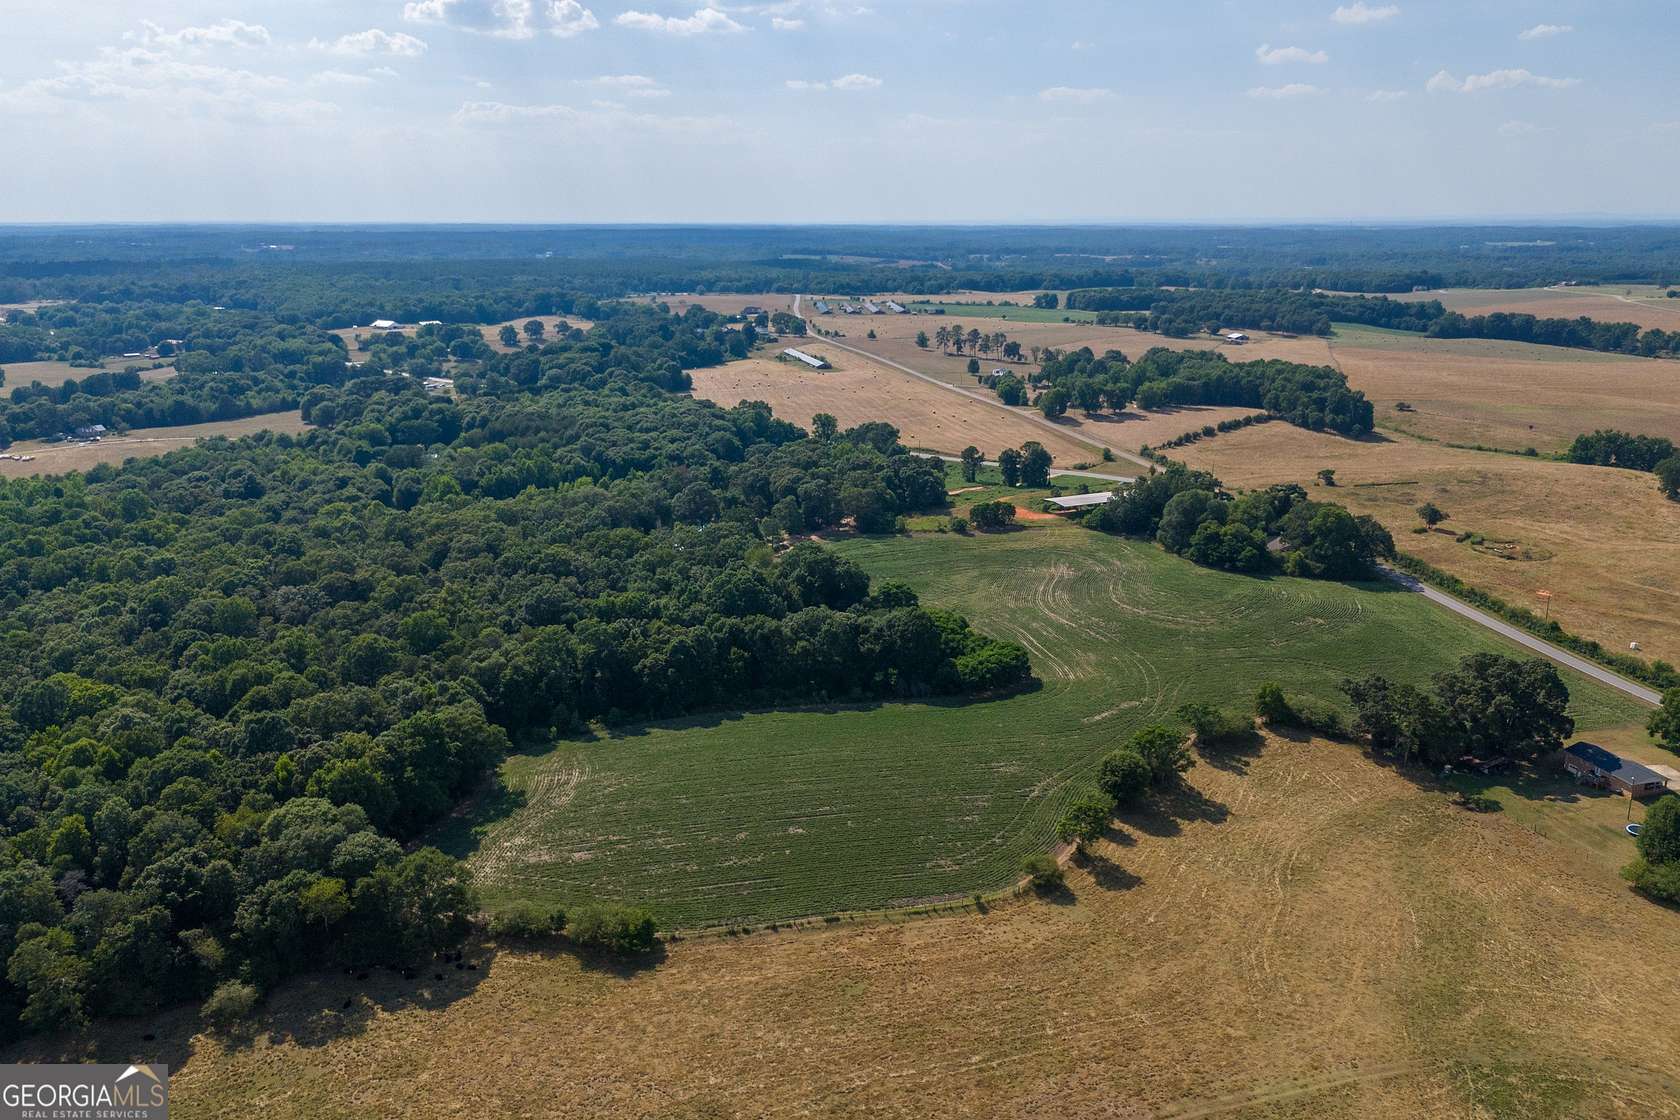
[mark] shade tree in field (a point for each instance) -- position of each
(971, 463)
(1085, 819)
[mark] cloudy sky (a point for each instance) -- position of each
(835, 110)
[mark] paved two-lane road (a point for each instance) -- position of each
(1522, 637)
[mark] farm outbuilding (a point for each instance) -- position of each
(809, 359)
(1237, 337)
(1592, 764)
(1079, 501)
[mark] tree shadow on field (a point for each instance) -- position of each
(1108, 874)
(1234, 756)
(1168, 811)
(1058, 895)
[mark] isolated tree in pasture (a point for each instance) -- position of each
(1012, 351)
(971, 462)
(1431, 514)
(534, 329)
(1035, 464)
(509, 336)
(992, 515)
(974, 366)
(824, 426)
(1327, 476)
(1009, 462)
(922, 339)
(942, 337)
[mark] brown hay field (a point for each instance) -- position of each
(1507, 394)
(140, 443)
(857, 391)
(896, 339)
(1609, 303)
(551, 323)
(54, 374)
(728, 303)
(1602, 540)
(1305, 935)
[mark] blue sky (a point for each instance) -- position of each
(831, 110)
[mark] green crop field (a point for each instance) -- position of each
(1018, 314)
(771, 815)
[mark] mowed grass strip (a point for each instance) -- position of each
(771, 815)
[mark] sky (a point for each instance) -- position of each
(877, 111)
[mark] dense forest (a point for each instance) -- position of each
(1315, 397)
(248, 677)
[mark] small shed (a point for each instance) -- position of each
(1592, 764)
(1237, 337)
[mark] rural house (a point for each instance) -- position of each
(1595, 766)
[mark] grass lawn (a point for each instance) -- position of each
(770, 815)
(1014, 314)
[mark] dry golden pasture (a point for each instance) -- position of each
(1309, 935)
(729, 303)
(1609, 303)
(1602, 540)
(858, 390)
(551, 324)
(54, 374)
(140, 443)
(1507, 394)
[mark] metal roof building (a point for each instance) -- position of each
(809, 359)
(1080, 501)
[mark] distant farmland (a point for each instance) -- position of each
(141, 443)
(771, 815)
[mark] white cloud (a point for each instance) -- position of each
(222, 33)
(1075, 96)
(1082, 45)
(1275, 56)
(1546, 31)
(781, 24)
(702, 22)
(1284, 92)
(1521, 128)
(164, 85)
(627, 85)
(605, 121)
(568, 17)
(339, 78)
(1359, 13)
(373, 41)
(505, 19)
(848, 82)
(1386, 95)
(1444, 82)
